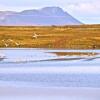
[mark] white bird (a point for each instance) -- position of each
(10, 40)
(17, 43)
(6, 44)
(35, 36)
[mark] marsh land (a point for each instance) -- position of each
(68, 37)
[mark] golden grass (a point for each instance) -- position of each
(69, 37)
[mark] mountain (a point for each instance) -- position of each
(44, 16)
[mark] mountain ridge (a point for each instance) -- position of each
(45, 16)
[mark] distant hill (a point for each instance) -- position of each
(44, 16)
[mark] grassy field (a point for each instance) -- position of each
(69, 37)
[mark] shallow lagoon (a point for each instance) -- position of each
(50, 68)
(47, 57)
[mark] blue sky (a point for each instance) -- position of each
(87, 11)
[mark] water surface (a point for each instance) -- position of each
(50, 67)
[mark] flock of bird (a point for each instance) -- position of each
(6, 42)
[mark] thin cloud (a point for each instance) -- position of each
(85, 8)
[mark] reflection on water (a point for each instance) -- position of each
(76, 53)
(44, 55)
(43, 67)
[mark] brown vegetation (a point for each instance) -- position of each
(69, 37)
